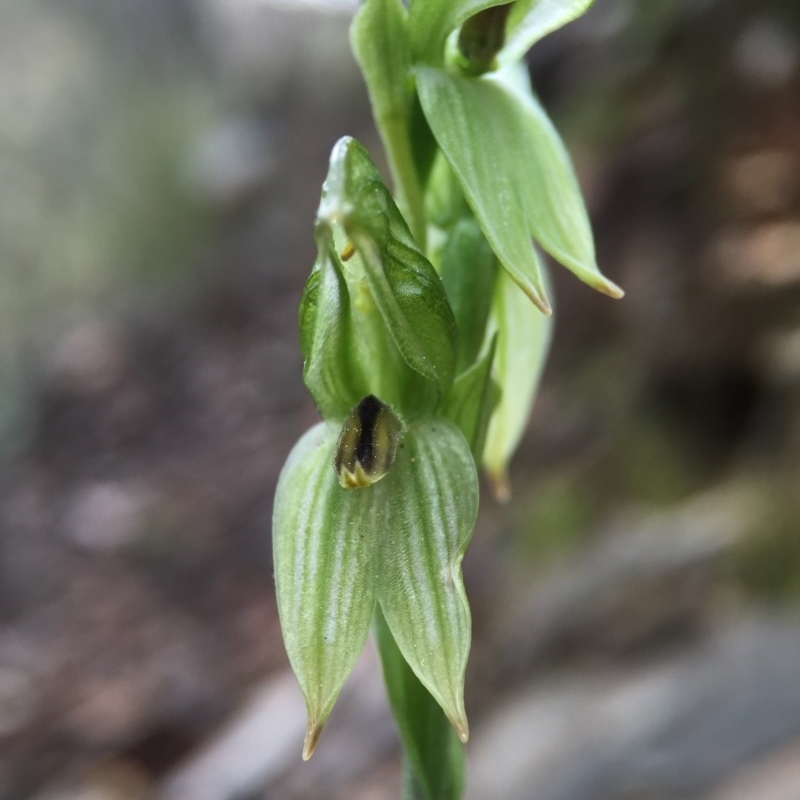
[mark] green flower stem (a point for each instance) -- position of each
(379, 37)
(397, 143)
(412, 788)
(433, 758)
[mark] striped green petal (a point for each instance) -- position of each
(322, 536)
(431, 501)
(400, 540)
(333, 366)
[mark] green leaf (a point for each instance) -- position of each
(432, 748)
(432, 502)
(531, 20)
(523, 340)
(396, 336)
(473, 399)
(423, 146)
(468, 268)
(322, 549)
(515, 173)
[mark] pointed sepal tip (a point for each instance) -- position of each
(461, 727)
(313, 732)
(607, 287)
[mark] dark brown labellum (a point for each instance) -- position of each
(367, 444)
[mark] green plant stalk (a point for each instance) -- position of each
(412, 788)
(408, 192)
(433, 757)
(380, 44)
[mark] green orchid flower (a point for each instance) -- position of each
(376, 504)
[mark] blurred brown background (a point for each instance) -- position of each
(637, 634)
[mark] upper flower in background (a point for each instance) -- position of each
(508, 158)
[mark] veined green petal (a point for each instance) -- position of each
(515, 173)
(334, 368)
(322, 538)
(431, 505)
(523, 340)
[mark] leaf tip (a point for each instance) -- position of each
(610, 289)
(313, 732)
(537, 298)
(455, 712)
(545, 307)
(499, 485)
(461, 726)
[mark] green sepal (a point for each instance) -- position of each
(333, 367)
(374, 318)
(322, 551)
(400, 540)
(515, 174)
(473, 399)
(432, 503)
(434, 753)
(412, 302)
(523, 340)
